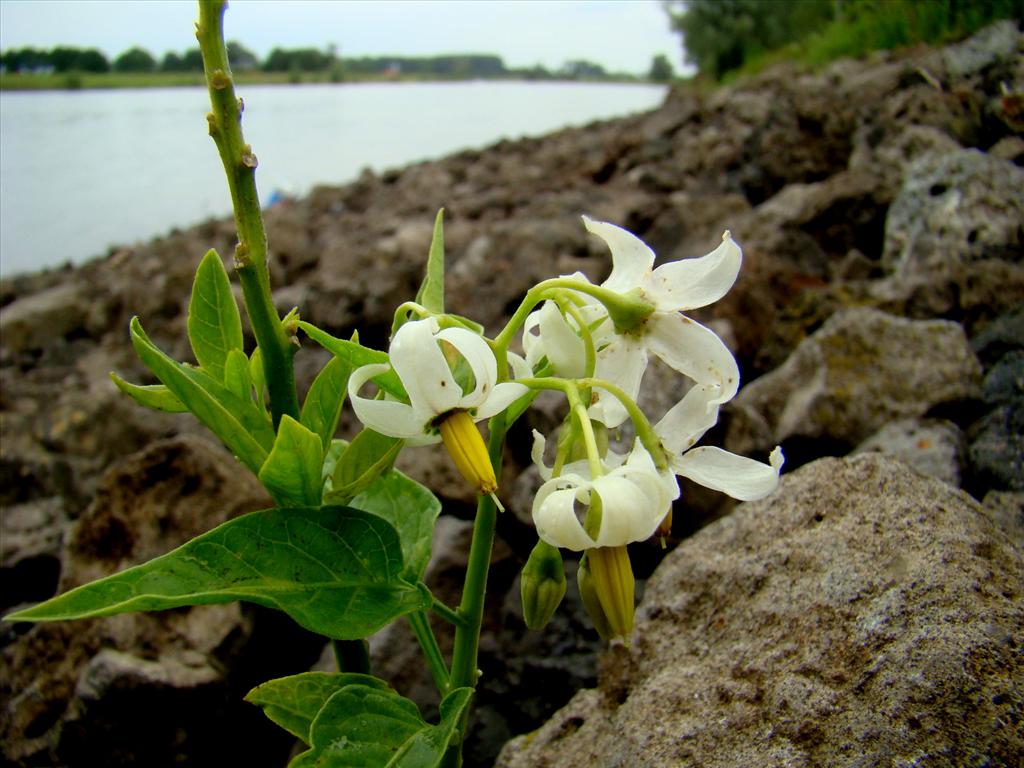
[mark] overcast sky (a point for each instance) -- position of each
(621, 35)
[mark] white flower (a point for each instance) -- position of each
(680, 342)
(634, 499)
(418, 359)
(684, 424)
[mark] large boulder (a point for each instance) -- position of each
(863, 615)
(862, 369)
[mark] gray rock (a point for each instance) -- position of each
(861, 370)
(34, 321)
(1004, 382)
(1006, 508)
(996, 450)
(91, 703)
(954, 209)
(933, 447)
(1004, 334)
(862, 616)
(999, 42)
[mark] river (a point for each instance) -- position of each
(82, 172)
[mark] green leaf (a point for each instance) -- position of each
(365, 727)
(368, 456)
(155, 396)
(237, 377)
(427, 748)
(292, 471)
(214, 325)
(335, 570)
(322, 406)
(411, 508)
(293, 702)
(431, 292)
(356, 355)
(259, 380)
(244, 428)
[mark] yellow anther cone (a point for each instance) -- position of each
(466, 446)
(612, 578)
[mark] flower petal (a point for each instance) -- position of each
(554, 516)
(564, 348)
(631, 258)
(501, 397)
(388, 417)
(481, 361)
(693, 350)
(623, 363)
(537, 455)
(692, 283)
(632, 505)
(423, 369)
(687, 421)
(738, 476)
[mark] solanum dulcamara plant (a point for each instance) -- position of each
(344, 551)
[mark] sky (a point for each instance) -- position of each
(621, 35)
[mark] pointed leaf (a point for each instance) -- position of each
(155, 396)
(335, 570)
(368, 456)
(243, 427)
(322, 406)
(431, 292)
(364, 727)
(237, 377)
(214, 325)
(292, 471)
(356, 355)
(259, 379)
(293, 702)
(427, 748)
(411, 508)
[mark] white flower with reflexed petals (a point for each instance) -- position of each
(418, 358)
(634, 498)
(683, 344)
(680, 342)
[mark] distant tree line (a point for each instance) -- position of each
(299, 61)
(721, 36)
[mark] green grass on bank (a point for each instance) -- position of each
(884, 25)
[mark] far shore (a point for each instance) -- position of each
(73, 81)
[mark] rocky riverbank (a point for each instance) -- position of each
(875, 600)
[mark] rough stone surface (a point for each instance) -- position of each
(933, 447)
(955, 208)
(35, 321)
(861, 370)
(801, 167)
(864, 615)
(85, 693)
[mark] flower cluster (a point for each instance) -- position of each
(592, 343)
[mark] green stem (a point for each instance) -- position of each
(420, 624)
(352, 656)
(446, 613)
(225, 123)
(641, 423)
(467, 635)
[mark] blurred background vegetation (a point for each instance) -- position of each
(722, 39)
(726, 38)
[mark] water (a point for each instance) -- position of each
(81, 172)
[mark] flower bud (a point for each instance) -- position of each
(542, 585)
